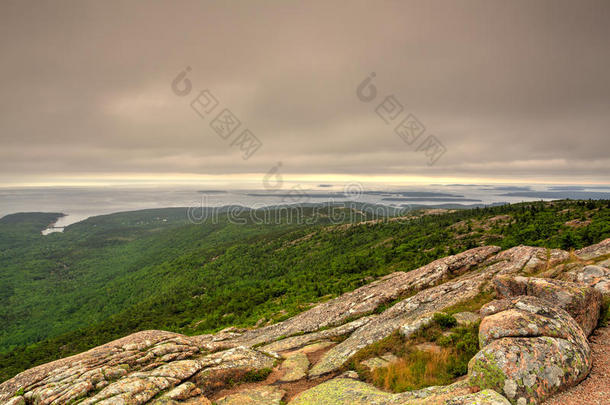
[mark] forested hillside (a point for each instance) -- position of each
(112, 275)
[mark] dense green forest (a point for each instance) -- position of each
(112, 275)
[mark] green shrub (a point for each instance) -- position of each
(256, 375)
(464, 341)
(444, 321)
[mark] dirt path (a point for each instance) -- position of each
(595, 389)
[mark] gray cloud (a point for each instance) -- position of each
(513, 89)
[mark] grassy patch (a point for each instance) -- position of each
(473, 304)
(395, 343)
(418, 369)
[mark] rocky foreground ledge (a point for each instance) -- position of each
(533, 341)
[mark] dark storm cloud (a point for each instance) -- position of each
(512, 89)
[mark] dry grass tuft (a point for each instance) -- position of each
(417, 370)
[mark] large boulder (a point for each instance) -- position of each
(528, 370)
(582, 302)
(527, 316)
(530, 350)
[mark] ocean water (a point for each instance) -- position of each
(79, 203)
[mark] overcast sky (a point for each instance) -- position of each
(513, 90)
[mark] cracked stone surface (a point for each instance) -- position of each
(19, 400)
(266, 395)
(183, 391)
(296, 342)
(528, 369)
(77, 376)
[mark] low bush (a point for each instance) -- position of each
(444, 320)
(256, 375)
